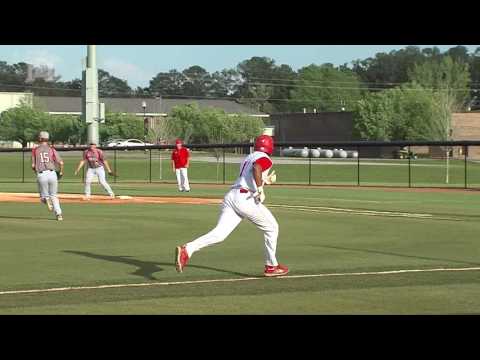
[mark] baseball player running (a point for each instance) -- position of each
(244, 200)
(45, 159)
(96, 162)
(180, 162)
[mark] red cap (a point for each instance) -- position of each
(264, 143)
(178, 141)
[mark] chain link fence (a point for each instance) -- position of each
(399, 164)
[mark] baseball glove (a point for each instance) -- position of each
(59, 175)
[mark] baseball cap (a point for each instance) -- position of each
(44, 135)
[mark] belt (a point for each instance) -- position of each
(44, 171)
(244, 191)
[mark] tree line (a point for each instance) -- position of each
(405, 94)
(188, 122)
(264, 84)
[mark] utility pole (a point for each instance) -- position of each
(92, 112)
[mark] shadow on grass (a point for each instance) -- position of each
(401, 255)
(146, 269)
(26, 218)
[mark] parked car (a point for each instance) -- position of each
(127, 143)
(404, 154)
(114, 142)
(474, 105)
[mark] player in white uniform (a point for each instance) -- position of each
(244, 200)
(96, 162)
(45, 160)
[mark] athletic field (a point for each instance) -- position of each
(350, 251)
(141, 166)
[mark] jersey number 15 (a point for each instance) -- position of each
(44, 158)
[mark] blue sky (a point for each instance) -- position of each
(139, 63)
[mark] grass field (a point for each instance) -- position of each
(329, 231)
(135, 166)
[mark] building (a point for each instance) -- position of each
(155, 108)
(321, 126)
(11, 99)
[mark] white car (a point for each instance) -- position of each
(129, 142)
(115, 142)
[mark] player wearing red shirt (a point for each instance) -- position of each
(96, 162)
(45, 160)
(180, 162)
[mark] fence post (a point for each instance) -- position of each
(150, 165)
(23, 165)
(115, 164)
(358, 166)
(465, 151)
(309, 167)
(409, 168)
(224, 166)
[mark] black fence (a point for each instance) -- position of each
(407, 164)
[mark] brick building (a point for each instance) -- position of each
(465, 126)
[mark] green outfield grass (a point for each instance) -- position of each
(331, 232)
(134, 166)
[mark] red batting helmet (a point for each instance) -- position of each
(264, 143)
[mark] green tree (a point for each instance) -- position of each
(12, 77)
(263, 80)
(184, 119)
(283, 84)
(475, 73)
(111, 86)
(374, 116)
(224, 83)
(409, 112)
(197, 81)
(66, 129)
(390, 67)
(446, 75)
(325, 88)
(212, 125)
(22, 123)
(167, 83)
(119, 125)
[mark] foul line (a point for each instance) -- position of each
(390, 272)
(332, 210)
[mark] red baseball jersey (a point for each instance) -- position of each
(180, 157)
(94, 158)
(45, 157)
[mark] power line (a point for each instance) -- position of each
(355, 88)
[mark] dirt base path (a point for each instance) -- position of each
(98, 199)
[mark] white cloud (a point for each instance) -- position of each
(126, 71)
(42, 57)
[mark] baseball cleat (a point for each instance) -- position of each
(181, 258)
(59, 217)
(112, 196)
(48, 201)
(278, 270)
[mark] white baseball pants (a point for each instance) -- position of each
(100, 172)
(48, 187)
(182, 179)
(235, 207)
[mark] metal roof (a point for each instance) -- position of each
(66, 104)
